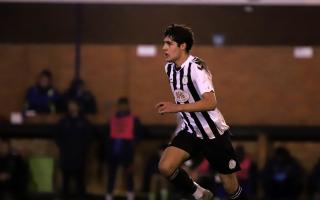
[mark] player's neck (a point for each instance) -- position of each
(181, 60)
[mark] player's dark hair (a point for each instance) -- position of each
(180, 34)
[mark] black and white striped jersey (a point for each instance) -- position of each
(188, 83)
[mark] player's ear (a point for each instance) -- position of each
(183, 46)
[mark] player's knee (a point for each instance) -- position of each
(166, 169)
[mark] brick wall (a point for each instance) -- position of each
(254, 85)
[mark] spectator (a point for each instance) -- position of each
(314, 182)
(14, 173)
(124, 130)
(282, 176)
(247, 177)
(43, 97)
(78, 91)
(73, 138)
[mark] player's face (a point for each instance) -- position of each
(172, 51)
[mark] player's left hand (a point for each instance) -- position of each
(167, 107)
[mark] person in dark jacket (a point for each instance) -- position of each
(282, 176)
(43, 97)
(14, 173)
(314, 182)
(78, 91)
(73, 139)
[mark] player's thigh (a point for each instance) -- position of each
(171, 159)
(183, 146)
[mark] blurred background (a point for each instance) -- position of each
(68, 66)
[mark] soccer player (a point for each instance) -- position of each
(204, 130)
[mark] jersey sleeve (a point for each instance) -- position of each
(203, 80)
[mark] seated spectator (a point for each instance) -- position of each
(14, 173)
(247, 177)
(314, 182)
(282, 176)
(73, 138)
(43, 97)
(78, 91)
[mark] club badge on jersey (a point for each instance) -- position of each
(185, 80)
(181, 96)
